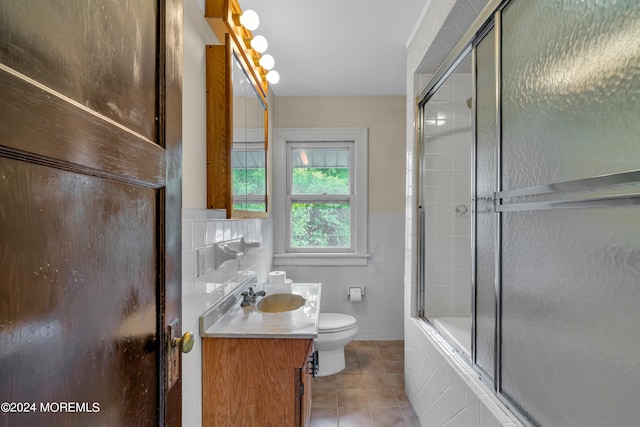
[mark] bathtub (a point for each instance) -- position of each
(457, 331)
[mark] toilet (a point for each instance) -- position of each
(335, 331)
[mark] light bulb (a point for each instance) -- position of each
(267, 62)
(250, 20)
(273, 77)
(259, 44)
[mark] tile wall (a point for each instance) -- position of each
(447, 185)
(380, 313)
(442, 389)
(201, 229)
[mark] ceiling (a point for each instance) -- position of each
(337, 47)
(348, 47)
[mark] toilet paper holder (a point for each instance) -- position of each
(361, 288)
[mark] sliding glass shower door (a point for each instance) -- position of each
(445, 200)
(555, 208)
(485, 219)
(570, 218)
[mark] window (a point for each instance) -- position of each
(249, 176)
(320, 196)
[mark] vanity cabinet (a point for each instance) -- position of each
(257, 382)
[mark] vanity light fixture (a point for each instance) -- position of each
(259, 44)
(227, 17)
(267, 62)
(273, 77)
(250, 20)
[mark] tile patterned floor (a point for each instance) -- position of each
(368, 393)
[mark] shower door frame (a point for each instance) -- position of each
(489, 19)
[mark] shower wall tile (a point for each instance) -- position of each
(447, 184)
(201, 229)
(442, 388)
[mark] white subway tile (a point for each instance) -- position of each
(199, 234)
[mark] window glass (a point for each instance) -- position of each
(249, 177)
(320, 171)
(326, 225)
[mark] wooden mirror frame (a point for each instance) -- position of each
(223, 18)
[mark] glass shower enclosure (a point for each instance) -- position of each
(553, 275)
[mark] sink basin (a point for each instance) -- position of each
(279, 303)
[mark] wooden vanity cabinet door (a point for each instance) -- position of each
(306, 378)
(255, 382)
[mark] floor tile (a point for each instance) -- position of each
(396, 355)
(324, 417)
(352, 398)
(390, 345)
(368, 355)
(387, 417)
(378, 397)
(396, 380)
(349, 381)
(401, 397)
(352, 367)
(354, 417)
(373, 368)
(410, 417)
(324, 398)
(394, 366)
(323, 383)
(375, 380)
(368, 393)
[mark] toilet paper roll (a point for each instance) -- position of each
(277, 277)
(355, 294)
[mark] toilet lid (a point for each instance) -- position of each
(335, 322)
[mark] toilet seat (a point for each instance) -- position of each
(335, 322)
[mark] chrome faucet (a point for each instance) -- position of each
(249, 297)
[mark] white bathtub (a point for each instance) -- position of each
(457, 330)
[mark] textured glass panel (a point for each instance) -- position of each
(571, 90)
(570, 109)
(571, 323)
(485, 187)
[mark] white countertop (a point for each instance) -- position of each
(249, 322)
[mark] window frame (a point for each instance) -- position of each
(356, 139)
(322, 198)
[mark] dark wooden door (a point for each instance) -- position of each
(90, 211)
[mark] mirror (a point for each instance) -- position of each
(236, 134)
(248, 154)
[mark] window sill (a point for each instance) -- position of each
(320, 259)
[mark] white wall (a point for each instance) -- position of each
(202, 228)
(380, 314)
(197, 35)
(443, 390)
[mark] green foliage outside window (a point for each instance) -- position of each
(321, 181)
(249, 181)
(318, 224)
(254, 207)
